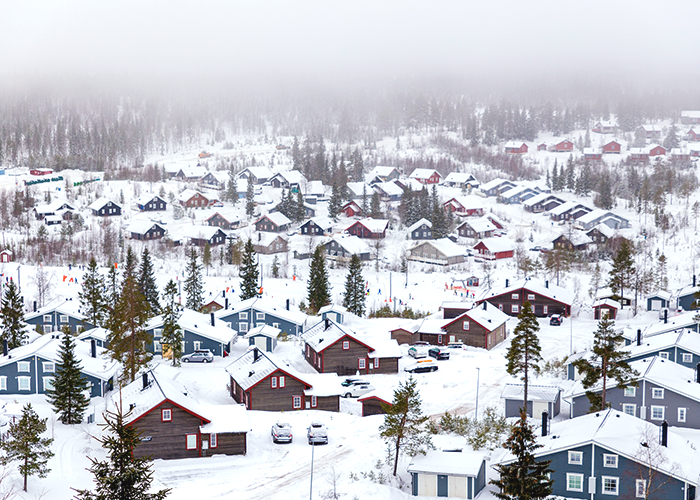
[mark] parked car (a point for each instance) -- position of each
(455, 345)
(198, 356)
(556, 319)
(352, 381)
(317, 433)
(439, 352)
(420, 342)
(426, 365)
(418, 351)
(281, 433)
(357, 390)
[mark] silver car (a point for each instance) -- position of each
(281, 433)
(357, 390)
(317, 433)
(198, 356)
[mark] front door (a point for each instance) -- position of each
(441, 486)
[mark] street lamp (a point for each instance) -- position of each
(476, 408)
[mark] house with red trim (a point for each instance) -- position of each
(369, 228)
(607, 306)
(605, 127)
(173, 425)
(546, 298)
(261, 381)
(352, 209)
(565, 146)
(483, 326)
(467, 206)
(657, 151)
(592, 154)
(426, 176)
(692, 135)
(273, 222)
(373, 403)
(612, 147)
(6, 256)
(190, 198)
(542, 147)
(515, 148)
(495, 248)
(332, 348)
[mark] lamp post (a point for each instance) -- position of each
(311, 483)
(476, 408)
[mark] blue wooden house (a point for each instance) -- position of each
(682, 348)
(421, 230)
(246, 315)
(30, 369)
(99, 335)
(55, 316)
(677, 322)
(151, 203)
(540, 398)
(448, 473)
(604, 455)
(658, 300)
(264, 337)
(200, 331)
(685, 297)
(333, 312)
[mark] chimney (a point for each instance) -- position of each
(639, 336)
(328, 324)
(665, 315)
(259, 236)
(484, 305)
(545, 423)
(223, 293)
(93, 348)
(4, 349)
(507, 282)
(546, 284)
(287, 304)
(211, 318)
(664, 434)
(256, 354)
(226, 303)
(35, 306)
(144, 378)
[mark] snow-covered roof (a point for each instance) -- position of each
(470, 202)
(193, 172)
(514, 191)
(206, 232)
(551, 290)
(548, 393)
(230, 214)
(374, 225)
(291, 176)
(145, 198)
(661, 294)
(494, 183)
(333, 308)
(684, 320)
(380, 171)
(418, 224)
(497, 244)
(277, 218)
(98, 203)
(264, 238)
(383, 348)
(326, 333)
(267, 306)
(606, 230)
(514, 144)
(537, 199)
(578, 238)
(651, 128)
(94, 333)
(461, 177)
(689, 341)
(480, 225)
(325, 223)
(593, 215)
(607, 303)
(423, 173)
(142, 226)
(445, 246)
(200, 324)
(189, 193)
(225, 419)
(68, 306)
(390, 188)
(565, 207)
(258, 172)
(490, 318)
(690, 114)
(356, 188)
(264, 330)
(451, 463)
(317, 188)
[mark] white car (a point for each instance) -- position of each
(356, 390)
(317, 433)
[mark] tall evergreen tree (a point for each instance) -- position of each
(525, 478)
(355, 297)
(12, 316)
(249, 199)
(147, 282)
(318, 289)
(604, 199)
(335, 204)
(91, 295)
(297, 161)
(365, 202)
(111, 295)
(608, 361)
(249, 272)
(523, 355)
(172, 336)
(68, 393)
(555, 176)
(623, 271)
(194, 287)
(440, 228)
(121, 475)
(300, 213)
(405, 427)
(232, 188)
(375, 207)
(570, 174)
(671, 141)
(25, 445)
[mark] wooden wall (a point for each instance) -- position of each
(168, 439)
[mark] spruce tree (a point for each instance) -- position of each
(172, 335)
(249, 272)
(335, 204)
(249, 199)
(12, 316)
(354, 299)
(608, 361)
(111, 295)
(147, 282)
(206, 256)
(25, 445)
(91, 295)
(232, 191)
(440, 225)
(405, 427)
(555, 177)
(300, 212)
(121, 475)
(194, 287)
(318, 289)
(365, 202)
(375, 207)
(523, 354)
(623, 271)
(68, 393)
(570, 174)
(275, 270)
(525, 478)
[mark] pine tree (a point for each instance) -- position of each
(375, 207)
(608, 361)
(25, 445)
(300, 213)
(122, 475)
(232, 191)
(555, 177)
(91, 295)
(335, 204)
(570, 176)
(249, 272)
(206, 256)
(355, 297)
(440, 225)
(523, 354)
(405, 427)
(623, 270)
(12, 316)
(296, 155)
(147, 282)
(194, 288)
(525, 478)
(111, 295)
(68, 393)
(172, 335)
(671, 141)
(249, 199)
(318, 289)
(275, 270)
(365, 202)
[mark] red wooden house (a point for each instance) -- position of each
(352, 209)
(6, 256)
(565, 146)
(369, 228)
(513, 147)
(465, 205)
(657, 151)
(374, 402)
(193, 199)
(692, 135)
(592, 154)
(602, 307)
(546, 299)
(426, 176)
(542, 147)
(495, 248)
(613, 147)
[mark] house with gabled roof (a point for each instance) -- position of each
(245, 315)
(146, 230)
(256, 175)
(216, 179)
(58, 314)
(607, 453)
(680, 154)
(541, 203)
(515, 147)
(355, 190)
(369, 228)
(675, 323)
(592, 154)
(289, 179)
(482, 326)
(173, 424)
(575, 241)
(690, 117)
(374, 403)
(462, 180)
(201, 235)
(601, 234)
(226, 219)
(318, 226)
(336, 312)
(540, 398)
(605, 127)
(658, 300)
(262, 381)
(190, 198)
(421, 230)
(600, 216)
(448, 473)
(151, 203)
(102, 207)
(333, 348)
(190, 174)
(199, 331)
(606, 307)
(612, 147)
(384, 174)
(546, 298)
(269, 243)
(273, 222)
(657, 150)
(565, 146)
(441, 252)
(388, 191)
(476, 228)
(352, 209)
(264, 337)
(465, 205)
(342, 247)
(679, 347)
(495, 248)
(496, 187)
(99, 335)
(570, 210)
(55, 208)
(5, 256)
(652, 132)
(426, 176)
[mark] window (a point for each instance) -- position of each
(610, 461)
(24, 383)
(361, 363)
(314, 401)
(157, 346)
(47, 328)
(574, 482)
(197, 345)
(166, 415)
(296, 402)
(64, 318)
(681, 414)
(243, 315)
(259, 316)
(23, 366)
(465, 326)
(376, 362)
(346, 345)
(640, 488)
(500, 307)
(47, 318)
(629, 409)
(514, 308)
(242, 327)
(530, 296)
(281, 381)
(610, 485)
(48, 383)
(47, 367)
(657, 412)
(213, 441)
(663, 355)
(191, 441)
(158, 333)
(657, 393)
(439, 339)
(308, 350)
(273, 382)
(3, 383)
(630, 392)
(687, 357)
(576, 457)
(515, 296)
(545, 309)
(275, 325)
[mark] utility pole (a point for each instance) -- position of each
(476, 408)
(311, 483)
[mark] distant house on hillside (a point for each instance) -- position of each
(369, 228)
(150, 203)
(146, 230)
(190, 198)
(273, 222)
(496, 187)
(201, 235)
(495, 248)
(546, 299)
(426, 176)
(343, 247)
(613, 147)
(515, 147)
(461, 180)
(442, 252)
(256, 175)
(102, 207)
(605, 127)
(269, 243)
(565, 146)
(421, 230)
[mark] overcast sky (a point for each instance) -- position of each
(339, 40)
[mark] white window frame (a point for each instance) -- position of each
(640, 488)
(213, 441)
(514, 308)
(662, 409)
(361, 363)
(346, 345)
(281, 381)
(157, 346)
(47, 383)
(545, 309)
(630, 391)
(632, 407)
(465, 326)
(189, 443)
(242, 327)
(682, 414)
(48, 367)
(48, 318)
(63, 318)
(24, 367)
(273, 382)
(515, 296)
(575, 457)
(530, 296)
(28, 381)
(573, 475)
(296, 402)
(259, 316)
(3, 383)
(663, 355)
(166, 415)
(657, 393)
(47, 328)
(157, 333)
(687, 357)
(610, 461)
(609, 478)
(243, 315)
(197, 345)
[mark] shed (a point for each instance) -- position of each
(658, 300)
(373, 403)
(333, 312)
(540, 398)
(6, 256)
(603, 306)
(264, 337)
(454, 474)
